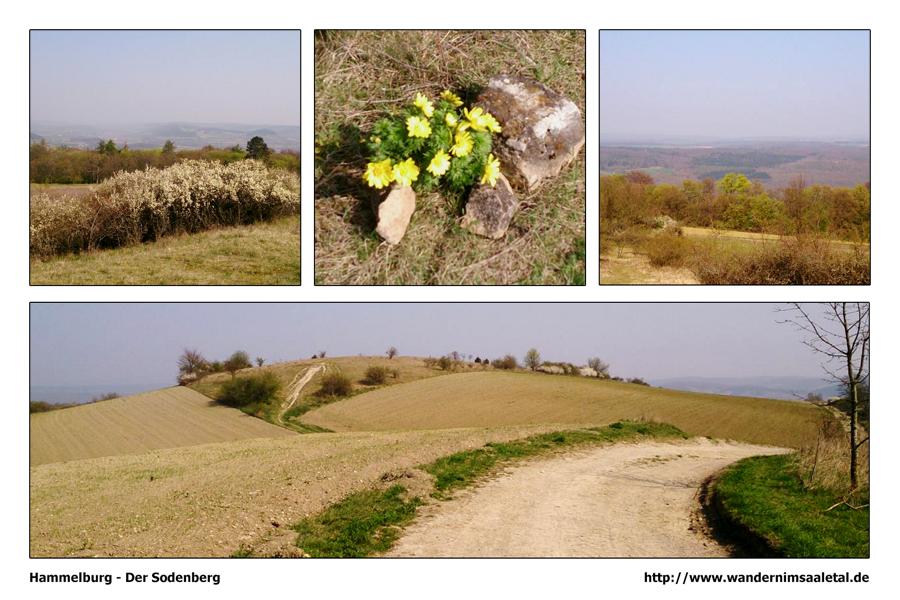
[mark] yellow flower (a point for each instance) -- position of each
(462, 144)
(476, 118)
(406, 172)
(439, 164)
(379, 174)
(451, 98)
(462, 126)
(418, 127)
(425, 104)
(491, 170)
(450, 119)
(491, 123)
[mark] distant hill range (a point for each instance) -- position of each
(781, 388)
(154, 135)
(774, 164)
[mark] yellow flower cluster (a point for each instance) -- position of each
(382, 173)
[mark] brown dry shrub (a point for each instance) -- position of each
(668, 249)
(796, 261)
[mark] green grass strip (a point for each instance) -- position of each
(361, 524)
(463, 468)
(764, 496)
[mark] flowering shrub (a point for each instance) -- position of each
(141, 206)
(434, 144)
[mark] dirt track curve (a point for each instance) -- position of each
(622, 500)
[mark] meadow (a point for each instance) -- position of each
(361, 75)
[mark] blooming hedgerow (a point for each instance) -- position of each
(434, 144)
(138, 206)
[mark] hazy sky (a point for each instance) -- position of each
(109, 77)
(94, 344)
(811, 85)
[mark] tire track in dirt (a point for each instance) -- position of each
(626, 500)
(296, 387)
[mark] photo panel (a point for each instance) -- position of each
(735, 157)
(603, 430)
(164, 157)
(450, 157)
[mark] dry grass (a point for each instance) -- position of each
(362, 75)
(494, 399)
(260, 254)
(166, 418)
(824, 464)
(717, 257)
(212, 500)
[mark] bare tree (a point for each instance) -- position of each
(841, 335)
(598, 365)
(191, 361)
(391, 352)
(532, 359)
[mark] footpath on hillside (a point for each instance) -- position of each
(627, 500)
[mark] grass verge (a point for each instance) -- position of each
(359, 525)
(368, 522)
(762, 500)
(260, 254)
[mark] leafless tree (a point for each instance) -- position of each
(191, 361)
(391, 352)
(598, 365)
(841, 335)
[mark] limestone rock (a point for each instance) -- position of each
(490, 209)
(543, 131)
(587, 372)
(551, 369)
(395, 212)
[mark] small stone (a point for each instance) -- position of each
(395, 212)
(543, 131)
(490, 209)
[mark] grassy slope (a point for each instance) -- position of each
(497, 398)
(264, 253)
(361, 75)
(210, 500)
(408, 369)
(764, 495)
(165, 418)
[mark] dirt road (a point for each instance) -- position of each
(622, 500)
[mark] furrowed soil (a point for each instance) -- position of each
(625, 500)
(214, 499)
(166, 418)
(501, 398)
